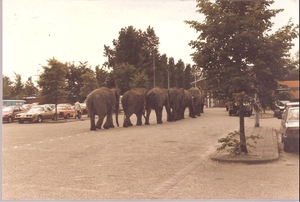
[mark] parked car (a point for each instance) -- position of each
(280, 106)
(234, 110)
(9, 113)
(37, 113)
(289, 128)
(27, 106)
(291, 104)
(65, 110)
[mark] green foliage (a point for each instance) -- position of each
(17, 88)
(102, 76)
(233, 144)
(30, 89)
(53, 81)
(75, 80)
(139, 80)
(123, 74)
(6, 88)
(89, 84)
(236, 51)
(235, 35)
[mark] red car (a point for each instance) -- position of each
(9, 113)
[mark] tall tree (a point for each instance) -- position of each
(17, 88)
(30, 89)
(135, 47)
(234, 36)
(187, 77)
(89, 84)
(102, 76)
(53, 81)
(6, 88)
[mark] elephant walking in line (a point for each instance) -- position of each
(156, 99)
(103, 102)
(197, 99)
(176, 97)
(133, 102)
(187, 102)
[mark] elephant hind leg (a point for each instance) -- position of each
(92, 120)
(100, 121)
(139, 119)
(147, 116)
(158, 116)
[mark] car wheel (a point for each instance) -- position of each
(67, 116)
(286, 146)
(39, 119)
(20, 121)
(10, 119)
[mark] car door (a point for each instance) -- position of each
(283, 122)
(47, 113)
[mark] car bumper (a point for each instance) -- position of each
(26, 119)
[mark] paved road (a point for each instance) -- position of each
(166, 161)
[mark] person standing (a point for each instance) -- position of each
(77, 109)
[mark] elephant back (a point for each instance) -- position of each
(157, 97)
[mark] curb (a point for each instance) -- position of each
(225, 156)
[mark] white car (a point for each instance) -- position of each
(289, 128)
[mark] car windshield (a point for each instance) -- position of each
(7, 109)
(294, 114)
(61, 107)
(36, 109)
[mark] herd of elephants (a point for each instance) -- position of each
(104, 102)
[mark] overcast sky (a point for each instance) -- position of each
(77, 30)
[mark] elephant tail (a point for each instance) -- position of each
(117, 95)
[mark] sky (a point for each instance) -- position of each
(35, 31)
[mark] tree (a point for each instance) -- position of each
(136, 48)
(102, 76)
(17, 88)
(238, 53)
(293, 68)
(75, 80)
(53, 82)
(89, 84)
(139, 80)
(7, 87)
(123, 75)
(187, 77)
(30, 89)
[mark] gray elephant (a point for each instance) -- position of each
(176, 97)
(156, 99)
(197, 99)
(134, 102)
(103, 102)
(187, 102)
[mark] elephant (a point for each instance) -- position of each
(176, 97)
(156, 99)
(187, 102)
(103, 102)
(197, 99)
(202, 101)
(133, 102)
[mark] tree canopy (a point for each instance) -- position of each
(237, 51)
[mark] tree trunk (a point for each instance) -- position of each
(243, 145)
